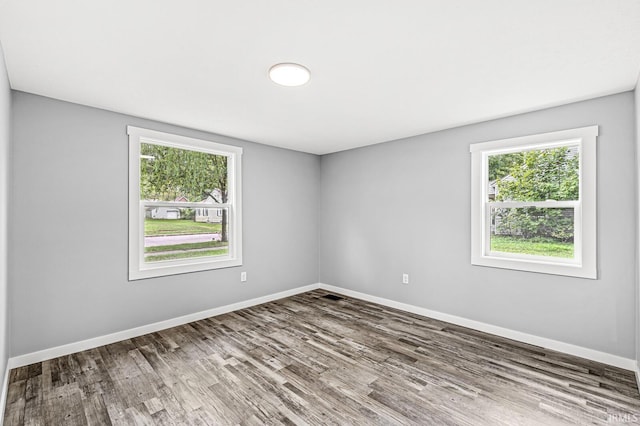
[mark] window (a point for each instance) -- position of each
(184, 204)
(533, 203)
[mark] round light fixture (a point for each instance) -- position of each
(288, 74)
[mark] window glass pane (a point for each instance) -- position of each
(174, 174)
(179, 233)
(535, 175)
(533, 231)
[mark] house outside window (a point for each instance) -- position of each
(184, 204)
(533, 205)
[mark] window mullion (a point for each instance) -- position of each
(537, 204)
(185, 205)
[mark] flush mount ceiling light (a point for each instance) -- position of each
(288, 74)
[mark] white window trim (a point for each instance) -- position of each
(138, 269)
(584, 264)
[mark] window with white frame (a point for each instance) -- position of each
(184, 204)
(533, 203)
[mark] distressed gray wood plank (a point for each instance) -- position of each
(309, 360)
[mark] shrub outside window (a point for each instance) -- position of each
(533, 203)
(184, 204)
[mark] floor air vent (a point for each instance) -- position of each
(332, 297)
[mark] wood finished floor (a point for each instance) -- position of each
(310, 360)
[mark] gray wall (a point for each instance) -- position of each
(384, 210)
(5, 134)
(636, 95)
(68, 236)
(403, 207)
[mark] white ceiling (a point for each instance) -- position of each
(381, 70)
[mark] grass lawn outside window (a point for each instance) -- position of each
(183, 228)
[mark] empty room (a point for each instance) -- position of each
(332, 212)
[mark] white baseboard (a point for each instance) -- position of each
(567, 348)
(43, 355)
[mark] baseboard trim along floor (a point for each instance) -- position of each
(45, 354)
(591, 354)
(567, 348)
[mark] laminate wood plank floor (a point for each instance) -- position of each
(307, 359)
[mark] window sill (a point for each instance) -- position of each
(539, 266)
(171, 268)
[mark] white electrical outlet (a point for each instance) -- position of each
(243, 276)
(405, 278)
